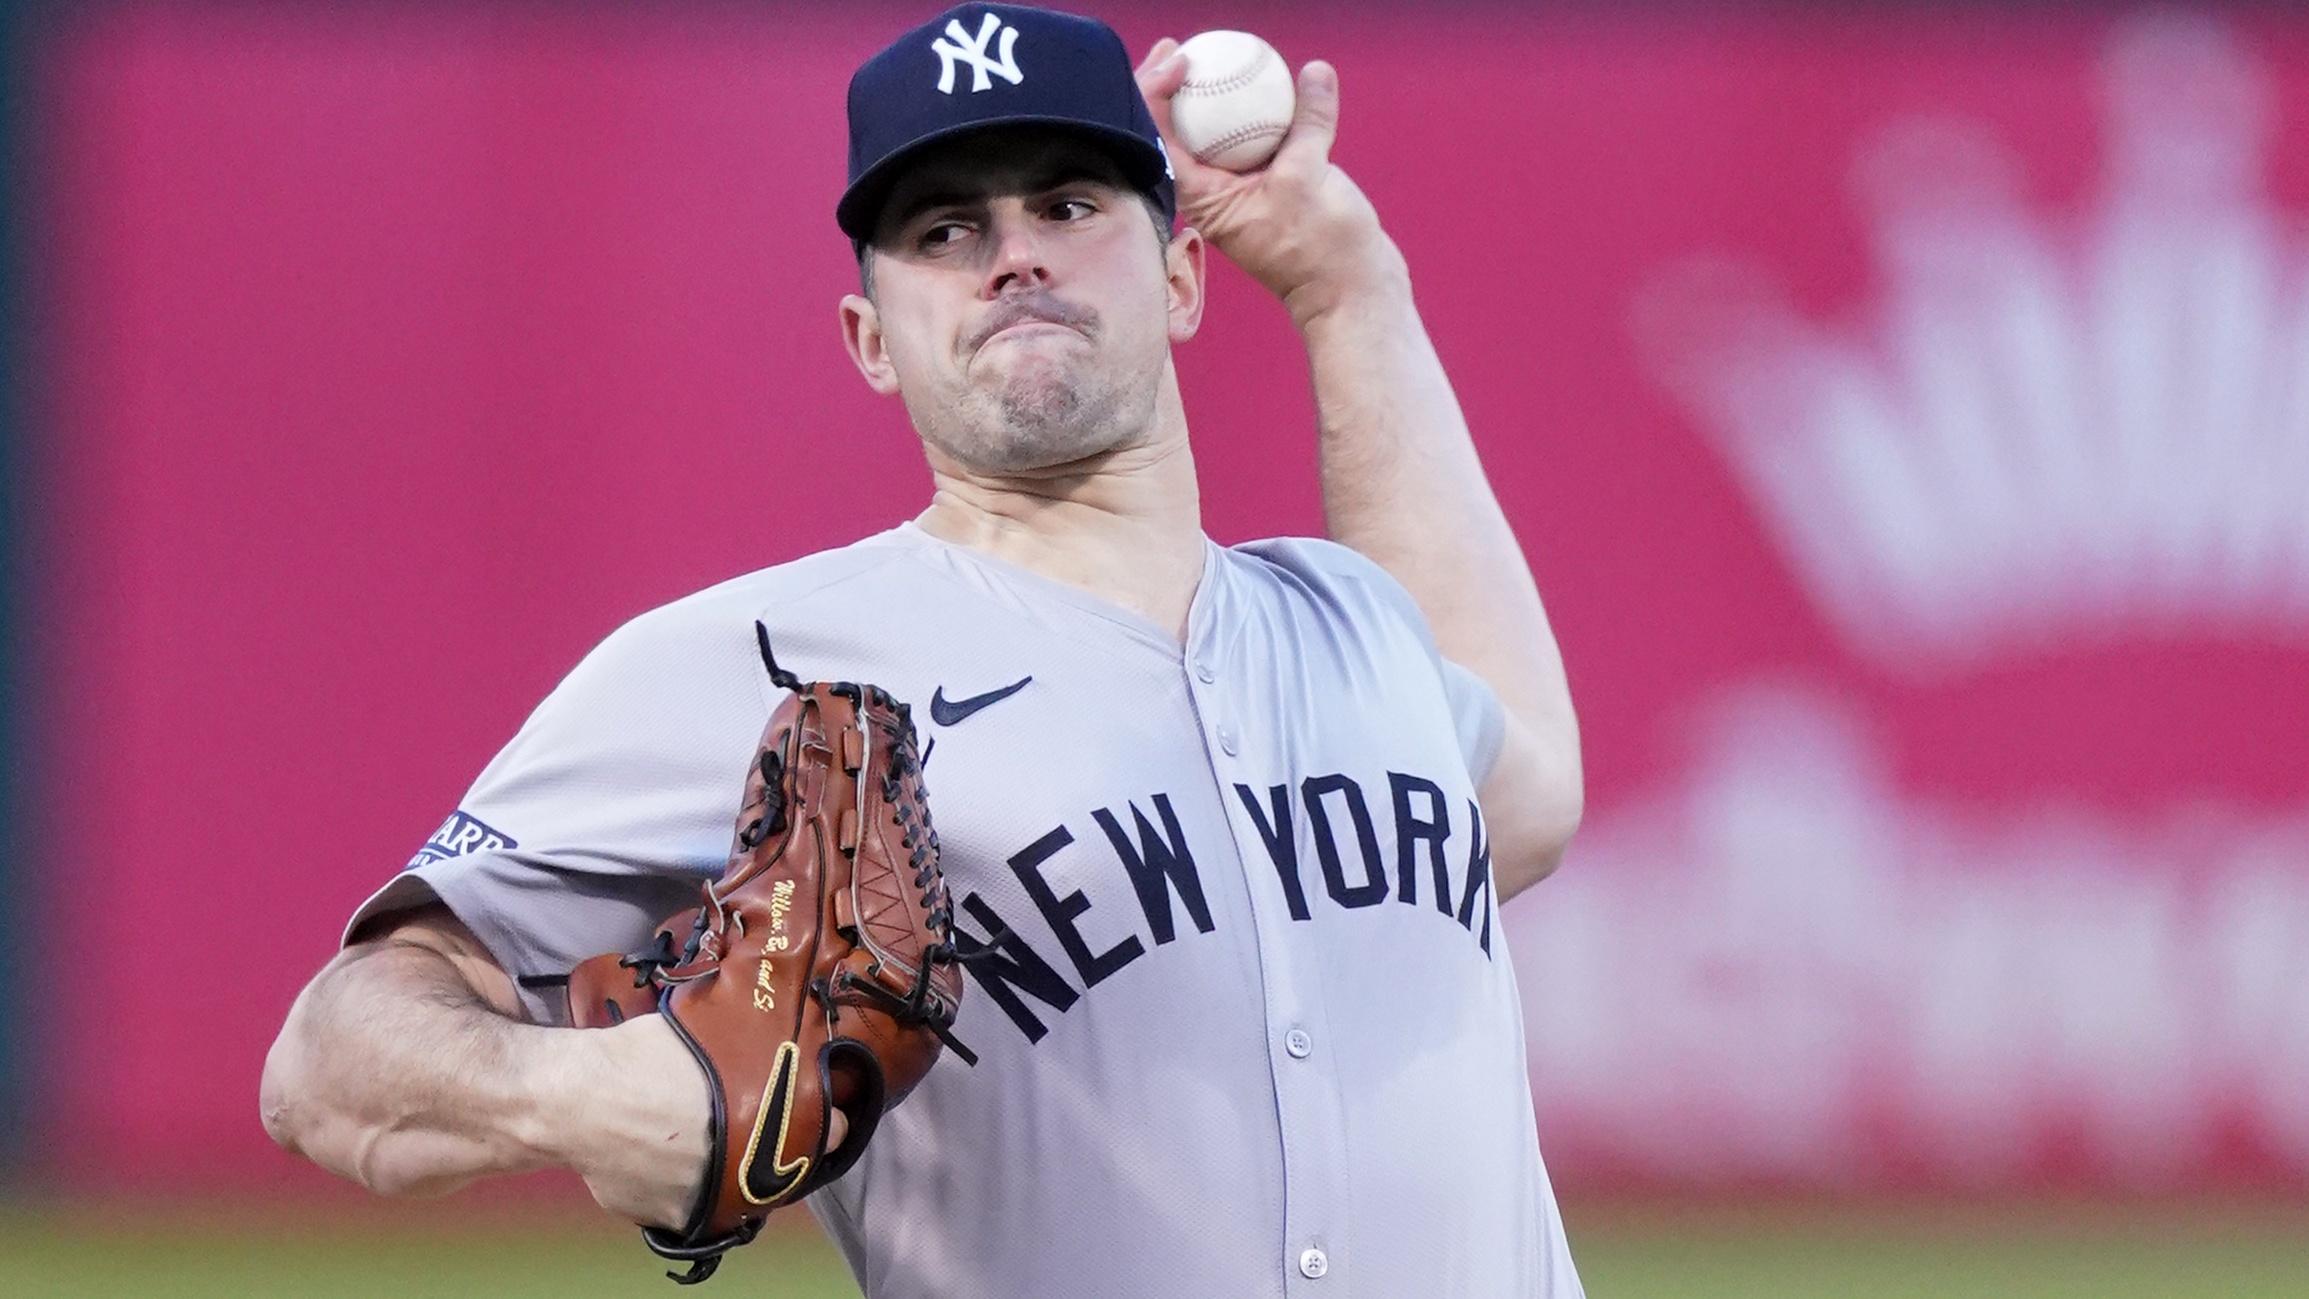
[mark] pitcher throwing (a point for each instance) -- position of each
(1225, 830)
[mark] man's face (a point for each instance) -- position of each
(1024, 303)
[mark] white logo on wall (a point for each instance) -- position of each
(1751, 970)
(2050, 430)
(959, 46)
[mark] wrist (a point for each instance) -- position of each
(1375, 277)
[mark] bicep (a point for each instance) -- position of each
(434, 928)
(1527, 776)
(1531, 805)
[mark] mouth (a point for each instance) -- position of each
(1026, 317)
(1026, 327)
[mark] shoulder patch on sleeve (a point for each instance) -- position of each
(462, 833)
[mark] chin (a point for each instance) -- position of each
(1026, 450)
(1032, 439)
(1039, 420)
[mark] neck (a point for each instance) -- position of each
(1125, 526)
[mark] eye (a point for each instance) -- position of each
(940, 234)
(1071, 209)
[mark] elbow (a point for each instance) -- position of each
(281, 1092)
(300, 1115)
(1529, 871)
(1563, 822)
(1558, 804)
(1533, 800)
(300, 1119)
(1536, 841)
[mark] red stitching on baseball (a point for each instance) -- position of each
(1241, 78)
(1239, 135)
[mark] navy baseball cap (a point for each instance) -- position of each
(987, 65)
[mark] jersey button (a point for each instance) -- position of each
(1298, 1043)
(1204, 674)
(1313, 1264)
(1227, 739)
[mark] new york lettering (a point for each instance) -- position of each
(1350, 870)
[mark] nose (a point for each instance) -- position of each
(1018, 261)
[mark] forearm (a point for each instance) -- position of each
(394, 1072)
(1403, 484)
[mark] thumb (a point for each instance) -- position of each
(1315, 122)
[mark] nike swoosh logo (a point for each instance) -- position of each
(949, 712)
(772, 1185)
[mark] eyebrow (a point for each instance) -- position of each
(1049, 178)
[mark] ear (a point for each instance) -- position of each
(862, 336)
(1183, 268)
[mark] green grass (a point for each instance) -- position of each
(123, 1252)
(2191, 1251)
(1724, 1252)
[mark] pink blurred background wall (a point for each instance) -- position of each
(1906, 413)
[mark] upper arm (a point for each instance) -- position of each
(436, 929)
(1526, 769)
(1532, 802)
(598, 820)
(342, 998)
(1527, 778)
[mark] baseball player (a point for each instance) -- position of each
(1227, 830)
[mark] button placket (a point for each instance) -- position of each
(1307, 1106)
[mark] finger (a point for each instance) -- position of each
(1160, 78)
(1163, 49)
(1160, 82)
(1314, 123)
(837, 1129)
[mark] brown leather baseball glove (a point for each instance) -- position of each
(819, 971)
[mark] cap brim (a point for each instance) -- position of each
(860, 208)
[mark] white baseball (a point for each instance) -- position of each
(1237, 101)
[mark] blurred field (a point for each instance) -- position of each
(1724, 1253)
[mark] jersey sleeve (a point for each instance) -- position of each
(1478, 717)
(1348, 576)
(611, 804)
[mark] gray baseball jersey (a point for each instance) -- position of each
(1247, 1026)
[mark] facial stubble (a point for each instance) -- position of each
(1046, 410)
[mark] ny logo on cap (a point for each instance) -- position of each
(959, 44)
